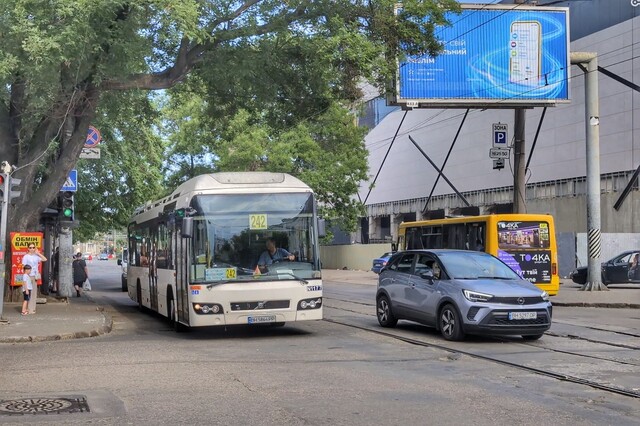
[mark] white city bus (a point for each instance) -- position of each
(193, 255)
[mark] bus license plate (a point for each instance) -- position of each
(261, 319)
(522, 315)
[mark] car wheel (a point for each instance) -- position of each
(384, 314)
(450, 324)
(532, 337)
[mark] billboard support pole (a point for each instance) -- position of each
(519, 201)
(588, 62)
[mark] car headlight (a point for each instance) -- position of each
(545, 296)
(474, 296)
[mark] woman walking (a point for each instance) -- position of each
(80, 273)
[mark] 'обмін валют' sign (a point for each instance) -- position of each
(496, 56)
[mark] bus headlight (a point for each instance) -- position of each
(307, 304)
(207, 308)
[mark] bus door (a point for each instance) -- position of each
(182, 275)
(153, 272)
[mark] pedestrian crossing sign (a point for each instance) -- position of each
(71, 184)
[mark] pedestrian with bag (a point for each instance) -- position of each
(80, 273)
(33, 259)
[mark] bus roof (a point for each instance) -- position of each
(226, 182)
(498, 216)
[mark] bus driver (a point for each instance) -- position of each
(273, 254)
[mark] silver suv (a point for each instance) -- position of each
(459, 292)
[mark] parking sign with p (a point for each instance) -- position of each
(499, 135)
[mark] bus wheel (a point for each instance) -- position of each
(139, 296)
(172, 315)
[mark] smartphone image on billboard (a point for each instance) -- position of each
(525, 50)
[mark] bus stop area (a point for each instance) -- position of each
(82, 317)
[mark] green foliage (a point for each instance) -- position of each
(128, 171)
(247, 85)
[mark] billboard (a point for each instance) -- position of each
(494, 56)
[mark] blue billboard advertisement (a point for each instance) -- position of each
(492, 55)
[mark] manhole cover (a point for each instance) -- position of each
(25, 406)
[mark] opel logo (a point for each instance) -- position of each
(520, 300)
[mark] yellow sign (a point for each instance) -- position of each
(258, 221)
(20, 240)
(231, 273)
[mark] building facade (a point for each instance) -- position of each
(402, 178)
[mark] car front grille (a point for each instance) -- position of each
(516, 300)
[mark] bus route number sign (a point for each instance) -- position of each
(258, 221)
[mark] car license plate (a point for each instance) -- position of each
(261, 319)
(522, 315)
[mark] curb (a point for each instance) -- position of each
(105, 328)
(598, 305)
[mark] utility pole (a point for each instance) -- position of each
(588, 62)
(65, 240)
(5, 168)
(519, 163)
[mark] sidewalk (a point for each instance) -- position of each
(81, 317)
(56, 319)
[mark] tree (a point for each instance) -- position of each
(63, 62)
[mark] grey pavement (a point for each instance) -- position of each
(80, 317)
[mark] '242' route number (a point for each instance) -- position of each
(258, 221)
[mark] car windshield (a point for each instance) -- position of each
(474, 265)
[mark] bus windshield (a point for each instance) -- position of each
(230, 233)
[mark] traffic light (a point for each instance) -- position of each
(14, 188)
(66, 206)
(3, 189)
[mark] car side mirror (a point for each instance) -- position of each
(427, 275)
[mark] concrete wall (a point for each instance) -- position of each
(570, 213)
(352, 256)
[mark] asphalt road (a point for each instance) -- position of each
(340, 371)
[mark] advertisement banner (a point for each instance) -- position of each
(525, 247)
(19, 243)
(506, 56)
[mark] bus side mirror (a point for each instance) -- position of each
(322, 232)
(119, 262)
(187, 227)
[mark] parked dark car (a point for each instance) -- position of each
(381, 262)
(460, 292)
(615, 270)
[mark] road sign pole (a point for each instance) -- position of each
(3, 238)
